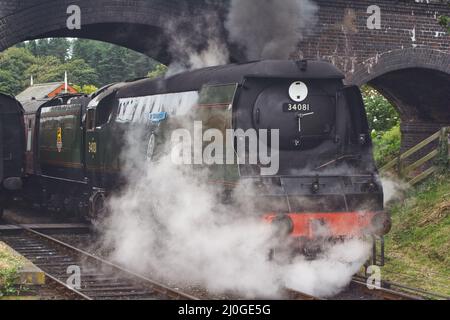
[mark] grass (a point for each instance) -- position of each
(10, 264)
(418, 246)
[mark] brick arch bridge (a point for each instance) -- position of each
(407, 59)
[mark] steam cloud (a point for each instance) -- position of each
(270, 29)
(196, 42)
(169, 223)
(393, 188)
(274, 34)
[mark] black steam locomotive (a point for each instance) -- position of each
(324, 182)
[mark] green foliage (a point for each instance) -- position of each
(444, 21)
(57, 47)
(86, 89)
(8, 279)
(418, 245)
(14, 63)
(87, 62)
(112, 63)
(159, 71)
(17, 65)
(386, 146)
(9, 266)
(381, 113)
(50, 69)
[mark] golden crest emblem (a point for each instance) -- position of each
(92, 147)
(59, 143)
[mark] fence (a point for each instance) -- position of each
(425, 166)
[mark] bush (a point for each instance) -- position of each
(386, 145)
(86, 89)
(381, 114)
(159, 71)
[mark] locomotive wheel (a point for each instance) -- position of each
(97, 206)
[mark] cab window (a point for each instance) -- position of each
(90, 120)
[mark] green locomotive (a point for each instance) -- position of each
(326, 176)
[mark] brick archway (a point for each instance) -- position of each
(417, 82)
(400, 59)
(137, 24)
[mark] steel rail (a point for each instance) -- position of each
(404, 292)
(384, 293)
(143, 282)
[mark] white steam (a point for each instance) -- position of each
(330, 273)
(196, 43)
(270, 29)
(393, 188)
(169, 223)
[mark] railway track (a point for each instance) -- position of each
(99, 279)
(395, 291)
(359, 290)
(356, 290)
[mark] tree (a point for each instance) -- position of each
(112, 63)
(159, 71)
(87, 89)
(79, 72)
(87, 62)
(8, 84)
(17, 65)
(14, 64)
(50, 69)
(57, 47)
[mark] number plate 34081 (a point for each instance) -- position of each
(296, 107)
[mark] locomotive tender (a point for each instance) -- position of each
(12, 146)
(327, 183)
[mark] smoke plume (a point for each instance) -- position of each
(393, 188)
(196, 41)
(270, 29)
(331, 272)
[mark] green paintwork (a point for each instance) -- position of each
(94, 148)
(61, 136)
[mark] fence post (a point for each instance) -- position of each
(445, 144)
(400, 166)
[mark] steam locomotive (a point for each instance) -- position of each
(326, 183)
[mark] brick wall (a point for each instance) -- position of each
(343, 38)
